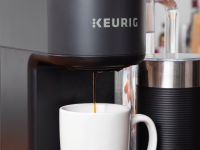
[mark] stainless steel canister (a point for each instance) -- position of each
(169, 71)
(168, 90)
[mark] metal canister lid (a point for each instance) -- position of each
(169, 71)
(172, 57)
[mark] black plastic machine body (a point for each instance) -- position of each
(42, 42)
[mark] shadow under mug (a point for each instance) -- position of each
(108, 129)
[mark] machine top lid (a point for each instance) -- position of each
(172, 57)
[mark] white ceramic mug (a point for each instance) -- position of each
(108, 129)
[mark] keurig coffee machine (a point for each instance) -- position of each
(48, 49)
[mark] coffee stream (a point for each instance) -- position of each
(94, 90)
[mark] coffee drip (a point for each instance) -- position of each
(94, 90)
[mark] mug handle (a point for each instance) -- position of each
(151, 129)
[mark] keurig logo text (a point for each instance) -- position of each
(114, 22)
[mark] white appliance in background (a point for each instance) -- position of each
(184, 7)
(182, 41)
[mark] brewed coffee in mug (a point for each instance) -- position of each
(107, 129)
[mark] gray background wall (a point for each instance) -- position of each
(24, 30)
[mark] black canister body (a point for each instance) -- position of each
(168, 91)
(100, 33)
(176, 114)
